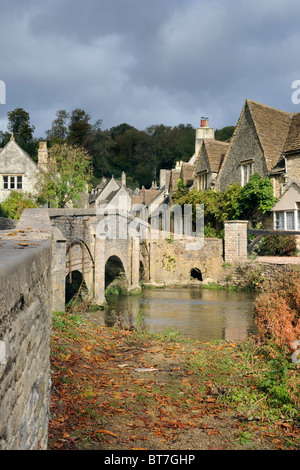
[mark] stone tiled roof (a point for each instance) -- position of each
(175, 176)
(150, 195)
(147, 197)
(272, 127)
(292, 143)
(216, 151)
(168, 178)
(187, 173)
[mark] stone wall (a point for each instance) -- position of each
(25, 329)
(172, 260)
(245, 146)
(235, 240)
(255, 272)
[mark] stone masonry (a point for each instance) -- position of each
(235, 240)
(25, 328)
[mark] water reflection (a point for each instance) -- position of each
(200, 314)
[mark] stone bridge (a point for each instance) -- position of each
(90, 247)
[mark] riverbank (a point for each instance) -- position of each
(123, 389)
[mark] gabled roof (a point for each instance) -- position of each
(289, 197)
(147, 196)
(175, 176)
(187, 173)
(272, 127)
(14, 143)
(216, 150)
(292, 144)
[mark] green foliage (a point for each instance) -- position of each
(79, 128)
(19, 124)
(67, 176)
(225, 133)
(59, 128)
(249, 202)
(277, 245)
(256, 198)
(16, 203)
(115, 289)
(276, 380)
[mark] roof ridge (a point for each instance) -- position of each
(269, 107)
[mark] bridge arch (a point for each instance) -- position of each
(79, 261)
(75, 286)
(115, 270)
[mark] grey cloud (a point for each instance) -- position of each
(148, 62)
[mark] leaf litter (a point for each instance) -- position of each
(117, 389)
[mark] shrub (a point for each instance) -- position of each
(277, 310)
(16, 203)
(278, 245)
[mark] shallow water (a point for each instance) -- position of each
(199, 314)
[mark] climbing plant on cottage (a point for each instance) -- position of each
(249, 202)
(67, 176)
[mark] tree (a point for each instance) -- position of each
(99, 144)
(59, 129)
(67, 176)
(120, 129)
(225, 133)
(19, 124)
(79, 128)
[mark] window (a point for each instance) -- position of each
(247, 171)
(290, 221)
(202, 181)
(279, 220)
(12, 182)
(285, 220)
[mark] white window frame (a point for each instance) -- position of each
(12, 182)
(296, 220)
(202, 181)
(246, 172)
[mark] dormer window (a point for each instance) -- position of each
(202, 181)
(246, 172)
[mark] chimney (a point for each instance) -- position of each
(203, 132)
(123, 178)
(43, 156)
(144, 195)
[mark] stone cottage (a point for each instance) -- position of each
(186, 171)
(209, 161)
(256, 146)
(18, 172)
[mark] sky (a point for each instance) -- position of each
(147, 62)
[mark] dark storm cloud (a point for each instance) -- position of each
(141, 62)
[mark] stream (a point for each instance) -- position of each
(197, 313)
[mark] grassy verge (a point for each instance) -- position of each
(129, 389)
